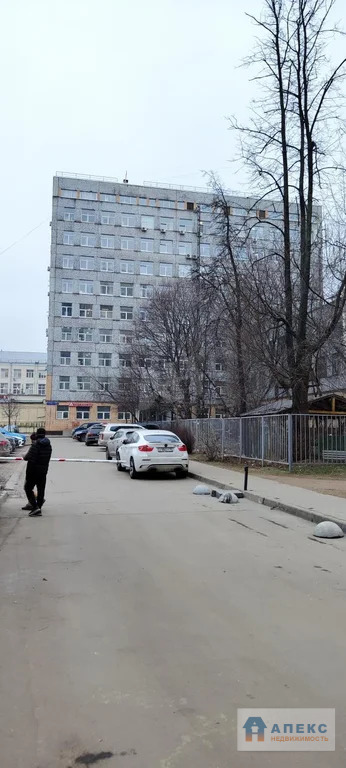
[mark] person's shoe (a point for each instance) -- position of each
(27, 506)
(35, 512)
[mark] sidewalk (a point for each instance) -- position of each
(301, 502)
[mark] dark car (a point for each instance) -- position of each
(86, 425)
(80, 433)
(92, 435)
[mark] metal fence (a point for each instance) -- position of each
(276, 439)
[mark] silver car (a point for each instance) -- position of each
(5, 446)
(116, 440)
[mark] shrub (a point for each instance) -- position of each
(211, 446)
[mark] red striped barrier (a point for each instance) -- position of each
(86, 461)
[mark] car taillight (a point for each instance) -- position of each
(101, 434)
(182, 448)
(145, 448)
(3, 442)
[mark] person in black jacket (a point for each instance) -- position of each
(38, 458)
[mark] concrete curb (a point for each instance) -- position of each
(305, 514)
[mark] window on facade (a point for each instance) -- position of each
(103, 412)
(105, 336)
(166, 223)
(127, 243)
(88, 195)
(124, 415)
(62, 411)
(128, 199)
(143, 314)
(65, 358)
(85, 310)
(147, 246)
(41, 389)
(29, 373)
(185, 224)
(184, 248)
(108, 217)
(85, 263)
(67, 262)
(166, 270)
(107, 265)
(107, 241)
(66, 333)
(127, 220)
(146, 291)
(68, 193)
(147, 222)
(83, 383)
(166, 246)
(126, 337)
(106, 311)
(108, 198)
(86, 286)
(145, 268)
(126, 313)
(68, 215)
(88, 216)
(4, 373)
(66, 286)
(219, 366)
(64, 382)
(124, 361)
(127, 267)
(88, 240)
(184, 270)
(105, 359)
(335, 364)
(42, 374)
(84, 358)
(261, 214)
(126, 289)
(167, 203)
(66, 310)
(83, 413)
(205, 249)
(17, 374)
(102, 384)
(16, 389)
(106, 289)
(85, 334)
(68, 238)
(4, 388)
(190, 206)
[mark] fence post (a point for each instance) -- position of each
(240, 437)
(290, 442)
(223, 439)
(262, 440)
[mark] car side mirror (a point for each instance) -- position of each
(125, 442)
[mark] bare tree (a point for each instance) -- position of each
(10, 410)
(292, 148)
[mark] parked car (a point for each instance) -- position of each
(157, 450)
(109, 429)
(92, 434)
(5, 446)
(82, 426)
(115, 440)
(18, 436)
(80, 433)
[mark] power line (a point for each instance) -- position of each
(24, 236)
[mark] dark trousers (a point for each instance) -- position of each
(36, 478)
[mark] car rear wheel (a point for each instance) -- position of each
(133, 473)
(180, 473)
(120, 467)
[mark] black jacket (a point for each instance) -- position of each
(38, 455)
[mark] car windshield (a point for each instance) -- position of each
(162, 438)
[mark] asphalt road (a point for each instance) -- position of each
(136, 617)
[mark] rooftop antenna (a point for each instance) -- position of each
(125, 179)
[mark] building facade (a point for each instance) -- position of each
(111, 244)
(23, 379)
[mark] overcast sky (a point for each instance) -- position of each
(142, 86)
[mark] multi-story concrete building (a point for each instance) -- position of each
(23, 373)
(111, 243)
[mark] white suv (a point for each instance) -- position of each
(109, 430)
